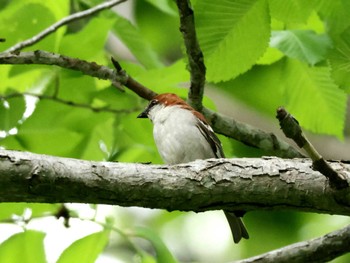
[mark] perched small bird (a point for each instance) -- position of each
(183, 135)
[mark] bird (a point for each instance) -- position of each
(183, 135)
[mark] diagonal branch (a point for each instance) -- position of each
(62, 22)
(220, 123)
(322, 249)
(194, 54)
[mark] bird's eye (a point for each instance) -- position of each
(153, 102)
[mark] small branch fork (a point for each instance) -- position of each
(291, 128)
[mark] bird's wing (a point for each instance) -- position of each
(211, 137)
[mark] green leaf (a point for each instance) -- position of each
(134, 40)
(167, 6)
(335, 13)
(228, 32)
(11, 112)
(291, 11)
(9, 209)
(313, 98)
(171, 77)
(251, 88)
(270, 56)
(163, 253)
(89, 42)
(304, 45)
(86, 249)
(25, 247)
(339, 58)
(20, 24)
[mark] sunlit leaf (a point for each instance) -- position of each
(301, 44)
(270, 56)
(232, 34)
(291, 11)
(163, 253)
(89, 42)
(167, 6)
(22, 25)
(314, 99)
(25, 247)
(335, 13)
(339, 58)
(86, 249)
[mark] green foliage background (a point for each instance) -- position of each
(264, 53)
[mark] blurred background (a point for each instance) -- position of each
(144, 37)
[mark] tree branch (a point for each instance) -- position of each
(214, 184)
(220, 123)
(194, 54)
(62, 22)
(48, 58)
(322, 249)
(291, 128)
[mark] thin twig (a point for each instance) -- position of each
(62, 22)
(194, 53)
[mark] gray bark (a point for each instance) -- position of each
(230, 184)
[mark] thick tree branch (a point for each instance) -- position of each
(194, 54)
(322, 249)
(62, 22)
(230, 184)
(220, 123)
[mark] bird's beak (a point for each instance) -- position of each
(143, 114)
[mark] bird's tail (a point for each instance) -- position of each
(237, 226)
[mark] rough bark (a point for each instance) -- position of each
(230, 184)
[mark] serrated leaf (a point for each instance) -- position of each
(291, 11)
(25, 247)
(304, 45)
(339, 58)
(271, 56)
(232, 34)
(86, 249)
(163, 253)
(314, 99)
(137, 44)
